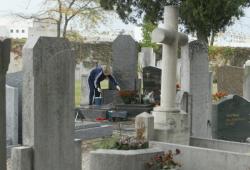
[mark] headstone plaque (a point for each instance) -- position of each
(232, 119)
(124, 55)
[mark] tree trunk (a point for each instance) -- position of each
(58, 29)
(202, 37)
(65, 27)
(212, 39)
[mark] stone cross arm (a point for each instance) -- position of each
(160, 35)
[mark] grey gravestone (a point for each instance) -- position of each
(4, 63)
(124, 64)
(111, 96)
(12, 115)
(183, 101)
(232, 119)
(48, 103)
(152, 81)
(16, 80)
(230, 80)
(200, 89)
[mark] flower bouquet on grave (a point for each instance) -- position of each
(128, 96)
(219, 95)
(164, 161)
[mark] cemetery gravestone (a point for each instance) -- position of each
(4, 63)
(48, 105)
(246, 85)
(146, 57)
(232, 119)
(12, 115)
(200, 89)
(151, 79)
(230, 80)
(124, 55)
(15, 80)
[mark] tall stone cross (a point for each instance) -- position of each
(167, 116)
(170, 39)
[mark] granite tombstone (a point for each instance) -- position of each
(232, 119)
(124, 56)
(152, 81)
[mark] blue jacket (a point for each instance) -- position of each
(96, 76)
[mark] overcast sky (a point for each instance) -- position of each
(32, 6)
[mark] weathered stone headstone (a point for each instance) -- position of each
(246, 83)
(4, 63)
(184, 101)
(144, 125)
(124, 64)
(12, 115)
(146, 57)
(200, 89)
(15, 80)
(84, 90)
(232, 119)
(48, 103)
(230, 80)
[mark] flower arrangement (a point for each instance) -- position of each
(164, 161)
(128, 96)
(130, 143)
(178, 86)
(219, 95)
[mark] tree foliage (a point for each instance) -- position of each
(203, 17)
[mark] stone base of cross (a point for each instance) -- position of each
(170, 123)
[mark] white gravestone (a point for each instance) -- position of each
(171, 124)
(144, 125)
(246, 81)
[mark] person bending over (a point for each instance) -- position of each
(97, 75)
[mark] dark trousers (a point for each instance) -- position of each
(93, 92)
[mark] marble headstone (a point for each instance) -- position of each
(124, 61)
